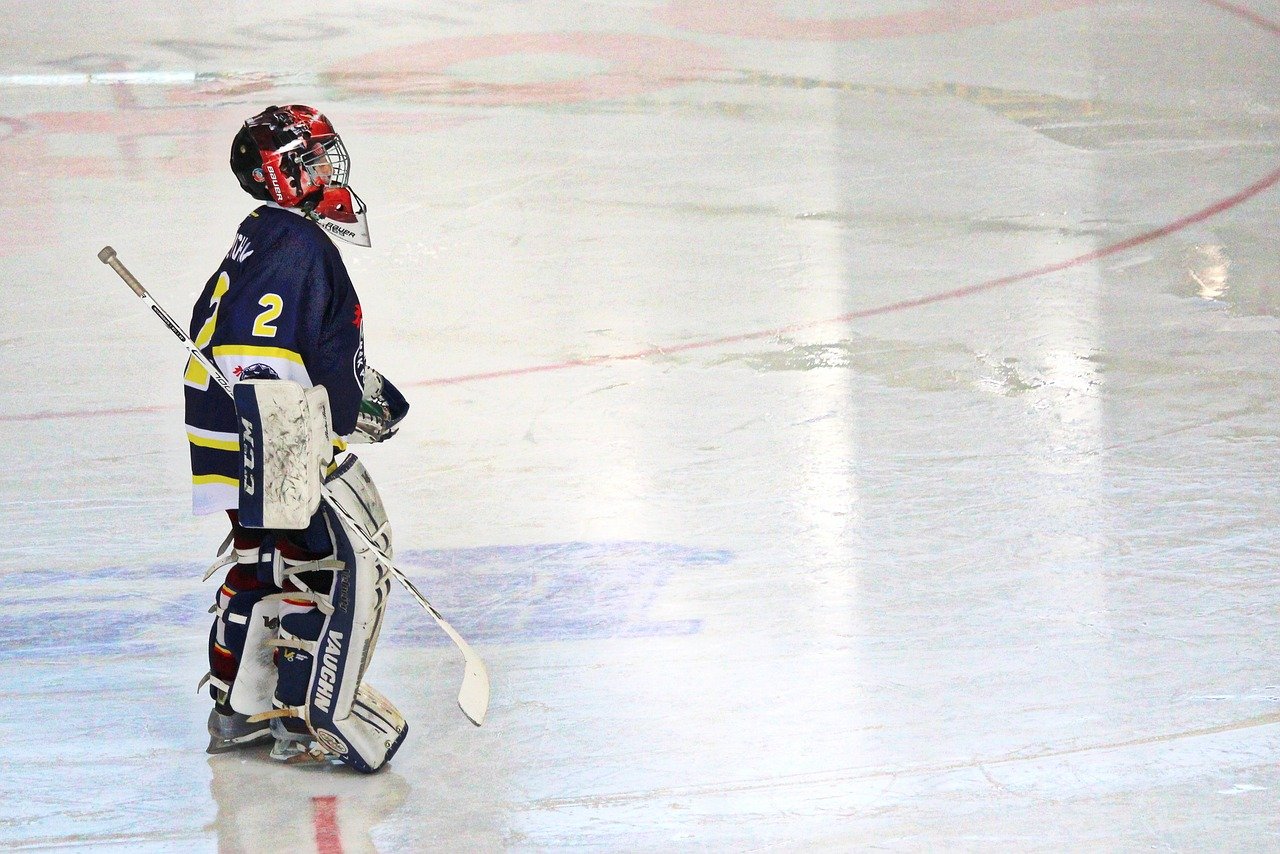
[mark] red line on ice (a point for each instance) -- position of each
(1164, 231)
(83, 413)
(325, 815)
(1248, 14)
(1212, 210)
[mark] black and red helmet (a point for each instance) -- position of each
(289, 155)
(292, 156)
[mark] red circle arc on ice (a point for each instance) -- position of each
(1001, 10)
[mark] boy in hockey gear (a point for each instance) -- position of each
(281, 306)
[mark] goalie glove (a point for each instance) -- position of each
(382, 409)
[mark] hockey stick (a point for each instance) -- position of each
(473, 698)
(108, 256)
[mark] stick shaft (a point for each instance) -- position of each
(473, 699)
(108, 257)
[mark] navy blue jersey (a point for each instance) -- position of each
(280, 305)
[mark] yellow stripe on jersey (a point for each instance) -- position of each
(216, 444)
(251, 350)
(196, 376)
(201, 479)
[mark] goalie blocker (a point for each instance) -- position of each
(284, 444)
(285, 440)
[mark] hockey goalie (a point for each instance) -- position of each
(297, 617)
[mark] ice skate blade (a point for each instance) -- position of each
(294, 749)
(299, 753)
(232, 731)
(313, 756)
(226, 745)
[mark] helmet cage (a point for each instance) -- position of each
(327, 161)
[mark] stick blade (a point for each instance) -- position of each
(473, 699)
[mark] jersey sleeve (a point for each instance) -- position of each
(332, 342)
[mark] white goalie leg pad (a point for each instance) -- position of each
(353, 490)
(350, 720)
(284, 443)
(255, 682)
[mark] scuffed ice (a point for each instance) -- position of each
(838, 426)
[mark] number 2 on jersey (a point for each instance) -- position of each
(263, 327)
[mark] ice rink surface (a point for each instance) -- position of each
(839, 426)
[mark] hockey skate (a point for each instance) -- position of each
(294, 746)
(232, 730)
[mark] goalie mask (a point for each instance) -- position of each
(292, 156)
